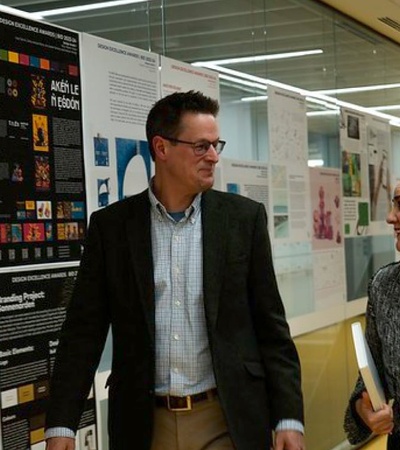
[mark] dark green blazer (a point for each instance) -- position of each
(255, 361)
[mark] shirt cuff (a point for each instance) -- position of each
(59, 432)
(290, 424)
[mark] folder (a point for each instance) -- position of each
(367, 367)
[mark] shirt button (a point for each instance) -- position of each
(176, 337)
(176, 370)
(178, 303)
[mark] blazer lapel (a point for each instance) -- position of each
(138, 230)
(214, 221)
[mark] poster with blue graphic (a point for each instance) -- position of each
(119, 163)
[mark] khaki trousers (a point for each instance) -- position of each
(201, 428)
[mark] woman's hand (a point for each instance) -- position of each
(379, 422)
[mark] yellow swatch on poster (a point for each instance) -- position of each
(30, 204)
(13, 57)
(25, 393)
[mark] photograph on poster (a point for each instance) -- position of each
(353, 127)
(101, 153)
(326, 208)
(17, 175)
(103, 192)
(351, 174)
(38, 94)
(281, 201)
(356, 217)
(43, 210)
(233, 188)
(87, 438)
(42, 173)
(16, 232)
(380, 191)
(33, 232)
(40, 133)
(133, 166)
(281, 226)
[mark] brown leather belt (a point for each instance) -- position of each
(184, 403)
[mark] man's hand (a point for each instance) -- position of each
(60, 443)
(289, 440)
(379, 422)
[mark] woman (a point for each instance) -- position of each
(383, 336)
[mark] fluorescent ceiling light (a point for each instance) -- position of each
(375, 87)
(331, 112)
(315, 162)
(385, 108)
(243, 82)
(82, 8)
(323, 103)
(257, 98)
(258, 58)
(393, 120)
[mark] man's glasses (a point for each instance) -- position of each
(200, 148)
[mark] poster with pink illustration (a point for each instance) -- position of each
(326, 208)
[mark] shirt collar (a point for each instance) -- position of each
(191, 212)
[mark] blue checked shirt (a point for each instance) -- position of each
(183, 358)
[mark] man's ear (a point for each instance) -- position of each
(159, 147)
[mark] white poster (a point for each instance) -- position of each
(293, 263)
(120, 85)
(247, 178)
(329, 279)
(353, 143)
(288, 150)
(177, 76)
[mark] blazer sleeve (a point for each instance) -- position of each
(279, 353)
(82, 338)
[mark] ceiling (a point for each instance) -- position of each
(203, 30)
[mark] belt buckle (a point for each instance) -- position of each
(188, 406)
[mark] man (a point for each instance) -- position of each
(202, 355)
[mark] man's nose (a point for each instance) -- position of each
(212, 154)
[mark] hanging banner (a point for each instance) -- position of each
(288, 153)
(178, 76)
(42, 196)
